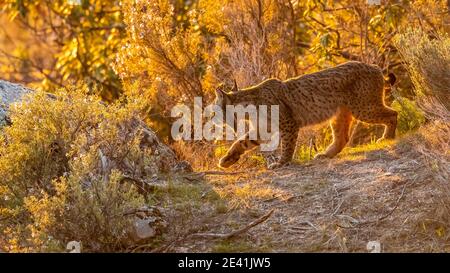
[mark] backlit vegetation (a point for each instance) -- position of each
(73, 147)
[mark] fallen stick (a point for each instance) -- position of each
(390, 212)
(143, 187)
(366, 222)
(220, 173)
(198, 176)
(236, 232)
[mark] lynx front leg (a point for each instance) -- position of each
(341, 133)
(288, 134)
(390, 122)
(238, 148)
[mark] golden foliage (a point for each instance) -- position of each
(55, 187)
(428, 63)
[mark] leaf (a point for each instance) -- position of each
(374, 21)
(325, 40)
(440, 231)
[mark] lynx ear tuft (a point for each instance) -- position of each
(219, 92)
(235, 87)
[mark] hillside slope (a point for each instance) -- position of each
(386, 193)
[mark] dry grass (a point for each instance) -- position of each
(242, 191)
(428, 63)
(392, 195)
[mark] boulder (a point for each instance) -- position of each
(9, 93)
(147, 222)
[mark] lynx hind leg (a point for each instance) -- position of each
(340, 126)
(390, 123)
(238, 148)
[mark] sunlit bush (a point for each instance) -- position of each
(428, 63)
(93, 215)
(62, 162)
(410, 117)
(427, 59)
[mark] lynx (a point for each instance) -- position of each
(347, 91)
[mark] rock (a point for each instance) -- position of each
(147, 222)
(9, 93)
(74, 247)
(143, 230)
(183, 166)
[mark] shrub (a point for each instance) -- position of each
(62, 163)
(428, 63)
(94, 216)
(410, 117)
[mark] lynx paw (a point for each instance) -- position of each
(320, 156)
(276, 165)
(228, 160)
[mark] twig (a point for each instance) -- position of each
(275, 196)
(166, 247)
(360, 223)
(142, 186)
(236, 232)
(390, 212)
(337, 208)
(312, 144)
(161, 249)
(303, 228)
(292, 197)
(220, 173)
(196, 176)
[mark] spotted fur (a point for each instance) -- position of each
(347, 91)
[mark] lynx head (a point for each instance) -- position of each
(224, 97)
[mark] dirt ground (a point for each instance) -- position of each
(385, 196)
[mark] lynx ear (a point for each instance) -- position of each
(220, 93)
(235, 87)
